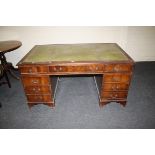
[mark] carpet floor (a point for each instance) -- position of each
(77, 105)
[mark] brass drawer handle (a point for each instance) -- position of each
(117, 68)
(30, 70)
(54, 69)
(114, 96)
(35, 81)
(60, 68)
(97, 68)
(115, 87)
(36, 89)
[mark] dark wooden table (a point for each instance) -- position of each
(110, 66)
(6, 67)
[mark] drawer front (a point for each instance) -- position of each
(35, 80)
(37, 89)
(28, 69)
(39, 98)
(114, 95)
(117, 77)
(115, 86)
(117, 68)
(34, 69)
(86, 68)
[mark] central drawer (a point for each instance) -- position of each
(78, 68)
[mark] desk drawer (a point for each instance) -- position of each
(117, 68)
(39, 98)
(78, 68)
(115, 86)
(114, 95)
(34, 69)
(37, 90)
(35, 80)
(117, 77)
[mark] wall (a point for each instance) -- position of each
(141, 43)
(138, 42)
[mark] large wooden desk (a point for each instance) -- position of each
(111, 65)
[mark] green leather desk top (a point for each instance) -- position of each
(75, 53)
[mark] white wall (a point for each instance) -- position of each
(138, 42)
(141, 43)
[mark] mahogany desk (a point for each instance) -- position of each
(111, 66)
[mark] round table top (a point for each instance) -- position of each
(10, 45)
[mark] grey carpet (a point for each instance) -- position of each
(77, 105)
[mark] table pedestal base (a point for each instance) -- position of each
(7, 67)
